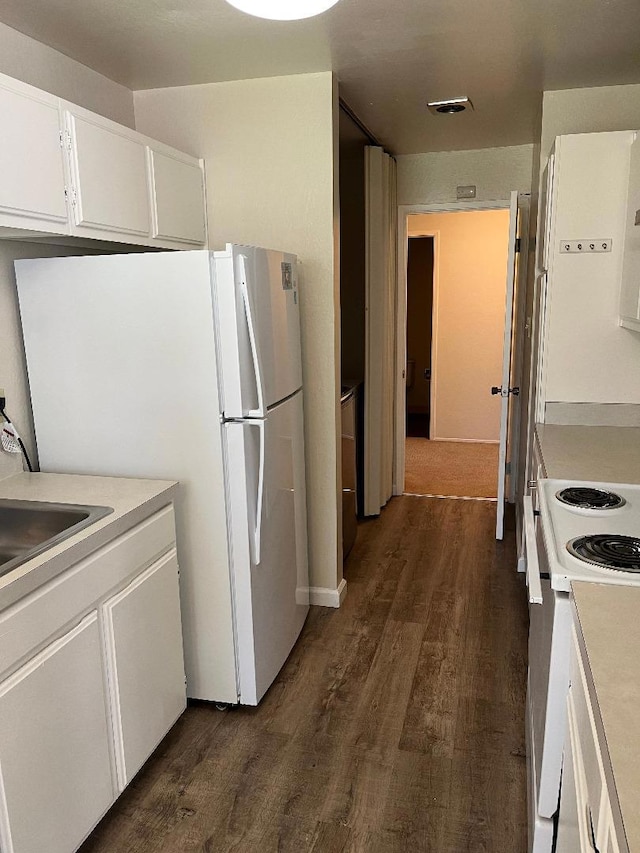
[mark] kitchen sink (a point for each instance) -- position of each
(28, 528)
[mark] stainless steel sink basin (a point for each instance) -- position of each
(28, 528)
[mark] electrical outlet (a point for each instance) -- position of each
(586, 247)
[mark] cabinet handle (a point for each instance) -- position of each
(590, 833)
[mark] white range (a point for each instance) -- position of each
(581, 531)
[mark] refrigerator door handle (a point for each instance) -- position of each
(257, 532)
(255, 357)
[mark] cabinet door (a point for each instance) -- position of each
(55, 768)
(630, 291)
(32, 183)
(178, 198)
(110, 181)
(145, 661)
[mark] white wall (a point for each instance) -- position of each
(270, 151)
(433, 178)
(588, 111)
(35, 63)
(470, 260)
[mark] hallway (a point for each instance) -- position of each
(396, 725)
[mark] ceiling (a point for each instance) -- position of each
(391, 56)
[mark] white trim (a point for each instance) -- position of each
(322, 596)
(454, 206)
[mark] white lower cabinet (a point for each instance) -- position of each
(585, 819)
(83, 707)
(55, 761)
(145, 663)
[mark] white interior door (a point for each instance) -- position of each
(504, 389)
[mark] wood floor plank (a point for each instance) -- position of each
(397, 724)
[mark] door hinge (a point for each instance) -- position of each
(504, 392)
(65, 140)
(70, 193)
(507, 467)
(518, 244)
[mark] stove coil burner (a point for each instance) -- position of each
(611, 551)
(587, 498)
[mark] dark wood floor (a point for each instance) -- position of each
(396, 725)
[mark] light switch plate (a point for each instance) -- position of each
(468, 191)
(586, 247)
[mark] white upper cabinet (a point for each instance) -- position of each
(110, 191)
(125, 186)
(65, 170)
(32, 180)
(630, 291)
(178, 197)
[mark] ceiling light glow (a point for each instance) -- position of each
(283, 10)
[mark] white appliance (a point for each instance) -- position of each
(187, 366)
(561, 545)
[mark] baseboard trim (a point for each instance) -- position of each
(322, 596)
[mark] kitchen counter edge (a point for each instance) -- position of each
(132, 501)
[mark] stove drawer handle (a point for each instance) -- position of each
(531, 549)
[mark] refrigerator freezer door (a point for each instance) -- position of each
(259, 328)
(267, 512)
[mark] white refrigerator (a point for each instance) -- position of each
(187, 366)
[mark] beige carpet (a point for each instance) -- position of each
(452, 468)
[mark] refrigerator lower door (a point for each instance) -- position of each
(268, 541)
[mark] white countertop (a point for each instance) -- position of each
(602, 454)
(131, 500)
(609, 618)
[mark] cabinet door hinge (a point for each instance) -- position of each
(65, 139)
(70, 193)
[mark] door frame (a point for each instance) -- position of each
(404, 211)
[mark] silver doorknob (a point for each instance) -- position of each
(497, 389)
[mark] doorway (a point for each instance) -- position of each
(455, 322)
